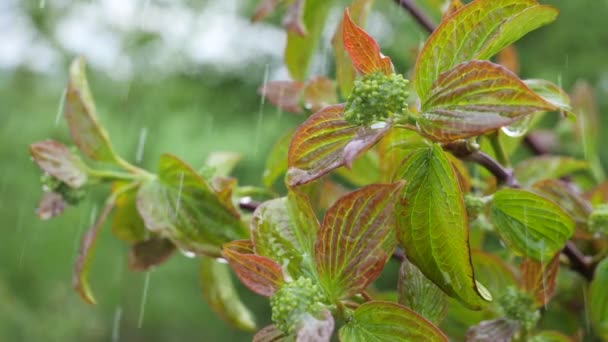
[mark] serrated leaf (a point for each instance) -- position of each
(223, 162)
(345, 72)
(149, 253)
(260, 274)
(534, 169)
(80, 273)
(388, 322)
(58, 161)
(127, 225)
(299, 50)
(567, 197)
(276, 235)
(539, 279)
(276, 161)
(269, 334)
(51, 204)
(474, 98)
(551, 93)
(285, 95)
(180, 205)
(529, 224)
(598, 300)
(81, 116)
(477, 31)
(319, 92)
(418, 293)
(363, 50)
(221, 295)
(492, 272)
(432, 224)
(325, 142)
(498, 330)
(355, 239)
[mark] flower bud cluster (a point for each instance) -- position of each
(293, 301)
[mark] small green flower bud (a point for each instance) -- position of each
(474, 205)
(295, 300)
(598, 220)
(519, 306)
(71, 195)
(376, 97)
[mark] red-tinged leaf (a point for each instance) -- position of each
(51, 204)
(260, 274)
(539, 279)
(432, 225)
(269, 334)
(292, 21)
(80, 274)
(598, 195)
(363, 50)
(315, 329)
(355, 239)
(567, 197)
(492, 272)
(418, 293)
(325, 142)
(223, 187)
(285, 95)
(149, 253)
(319, 92)
(508, 58)
(58, 161)
(219, 292)
(345, 72)
(127, 224)
(388, 322)
(474, 98)
(453, 6)
(532, 170)
(498, 330)
(551, 93)
(265, 7)
(81, 116)
(477, 31)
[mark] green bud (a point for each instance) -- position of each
(475, 205)
(519, 306)
(598, 220)
(71, 195)
(376, 97)
(293, 301)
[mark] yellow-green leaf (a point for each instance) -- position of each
(418, 293)
(598, 300)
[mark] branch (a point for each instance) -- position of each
(578, 261)
(248, 204)
(420, 17)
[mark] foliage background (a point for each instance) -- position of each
(181, 75)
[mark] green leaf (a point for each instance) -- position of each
(81, 116)
(276, 161)
(279, 237)
(598, 300)
(474, 98)
(584, 105)
(58, 161)
(539, 279)
(388, 322)
(299, 49)
(432, 224)
(180, 205)
(478, 31)
(529, 224)
(532, 170)
(221, 295)
(492, 272)
(364, 170)
(127, 225)
(260, 274)
(420, 294)
(269, 334)
(551, 93)
(325, 142)
(550, 336)
(498, 330)
(568, 199)
(355, 239)
(151, 252)
(223, 162)
(345, 72)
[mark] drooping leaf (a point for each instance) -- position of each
(539, 279)
(81, 116)
(325, 142)
(221, 295)
(58, 161)
(363, 50)
(529, 224)
(432, 224)
(269, 334)
(180, 205)
(474, 98)
(551, 93)
(285, 95)
(534, 169)
(568, 199)
(223, 162)
(498, 330)
(388, 322)
(508, 58)
(355, 239)
(299, 50)
(80, 273)
(292, 21)
(478, 31)
(492, 272)
(127, 224)
(345, 73)
(151, 252)
(260, 274)
(598, 300)
(51, 204)
(319, 92)
(421, 295)
(276, 161)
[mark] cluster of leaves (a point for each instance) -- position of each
(391, 170)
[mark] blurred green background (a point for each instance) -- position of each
(179, 77)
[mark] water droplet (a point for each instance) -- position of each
(519, 127)
(188, 254)
(378, 125)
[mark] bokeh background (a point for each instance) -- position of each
(178, 76)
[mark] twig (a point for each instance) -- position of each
(578, 261)
(398, 254)
(422, 19)
(503, 175)
(246, 203)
